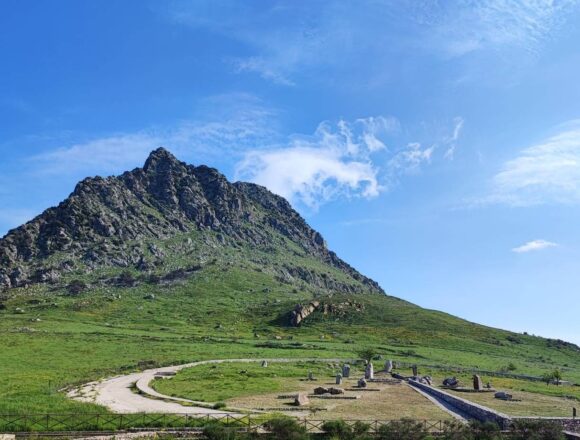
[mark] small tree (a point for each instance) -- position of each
(557, 375)
(548, 378)
(367, 354)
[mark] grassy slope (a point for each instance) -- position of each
(214, 314)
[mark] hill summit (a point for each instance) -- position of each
(148, 218)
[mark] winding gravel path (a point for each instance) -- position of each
(117, 393)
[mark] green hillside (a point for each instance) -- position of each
(172, 263)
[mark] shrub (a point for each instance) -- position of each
(484, 430)
(338, 429)
(536, 430)
(360, 430)
(219, 405)
(407, 429)
(454, 430)
(285, 428)
(76, 287)
(219, 432)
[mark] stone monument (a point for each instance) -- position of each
(477, 383)
(369, 371)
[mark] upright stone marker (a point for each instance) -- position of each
(301, 400)
(311, 376)
(346, 370)
(369, 371)
(339, 379)
(389, 366)
(264, 364)
(362, 383)
(415, 370)
(477, 383)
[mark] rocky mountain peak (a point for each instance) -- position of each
(161, 159)
(111, 222)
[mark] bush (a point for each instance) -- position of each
(338, 429)
(360, 430)
(76, 287)
(285, 428)
(536, 430)
(454, 430)
(484, 430)
(407, 429)
(220, 432)
(219, 405)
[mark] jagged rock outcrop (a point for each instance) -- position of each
(100, 222)
(303, 311)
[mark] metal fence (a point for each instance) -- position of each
(14, 423)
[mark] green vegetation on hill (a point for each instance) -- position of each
(51, 339)
(172, 263)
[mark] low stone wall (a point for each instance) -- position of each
(478, 412)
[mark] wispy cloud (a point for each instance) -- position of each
(534, 245)
(410, 159)
(548, 172)
(465, 26)
(229, 123)
(288, 40)
(335, 161)
(451, 142)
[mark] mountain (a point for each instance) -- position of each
(171, 263)
(127, 222)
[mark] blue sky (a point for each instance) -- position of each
(436, 145)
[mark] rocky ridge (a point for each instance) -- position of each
(100, 222)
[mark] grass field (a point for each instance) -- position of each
(251, 386)
(231, 308)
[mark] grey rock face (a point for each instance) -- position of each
(165, 197)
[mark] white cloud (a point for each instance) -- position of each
(229, 122)
(411, 158)
(452, 141)
(462, 27)
(309, 174)
(335, 161)
(545, 173)
(289, 40)
(534, 245)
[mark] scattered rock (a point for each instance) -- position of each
(301, 400)
(451, 382)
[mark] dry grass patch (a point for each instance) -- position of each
(524, 404)
(390, 403)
